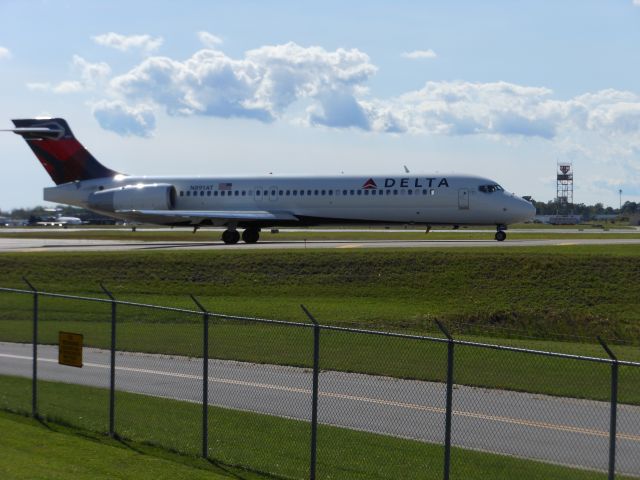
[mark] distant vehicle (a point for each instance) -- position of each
(255, 202)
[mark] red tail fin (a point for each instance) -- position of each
(64, 158)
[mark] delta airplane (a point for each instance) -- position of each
(251, 203)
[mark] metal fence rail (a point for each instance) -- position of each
(323, 375)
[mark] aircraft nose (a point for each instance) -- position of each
(522, 210)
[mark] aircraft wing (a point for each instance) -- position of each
(199, 215)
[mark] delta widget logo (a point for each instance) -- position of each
(369, 185)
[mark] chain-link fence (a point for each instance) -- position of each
(304, 400)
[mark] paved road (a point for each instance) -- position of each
(558, 430)
(62, 245)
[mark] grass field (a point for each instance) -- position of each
(542, 292)
(242, 445)
(30, 449)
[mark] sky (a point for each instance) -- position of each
(502, 89)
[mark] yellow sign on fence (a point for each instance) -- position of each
(70, 349)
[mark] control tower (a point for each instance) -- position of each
(564, 187)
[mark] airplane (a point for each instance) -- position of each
(252, 203)
(59, 221)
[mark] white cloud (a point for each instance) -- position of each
(5, 53)
(209, 39)
(260, 86)
(418, 54)
(636, 3)
(125, 120)
(39, 86)
(92, 75)
(464, 108)
(68, 86)
(124, 43)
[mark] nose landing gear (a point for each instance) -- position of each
(501, 234)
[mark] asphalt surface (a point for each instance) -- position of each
(557, 430)
(66, 245)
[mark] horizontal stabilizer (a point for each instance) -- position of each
(38, 133)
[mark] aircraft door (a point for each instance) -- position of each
(463, 199)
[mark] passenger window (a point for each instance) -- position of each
(215, 194)
(244, 193)
(432, 191)
(330, 192)
(181, 193)
(280, 192)
(324, 192)
(395, 192)
(359, 192)
(295, 193)
(208, 193)
(188, 193)
(352, 192)
(410, 192)
(344, 192)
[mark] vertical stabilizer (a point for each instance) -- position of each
(62, 156)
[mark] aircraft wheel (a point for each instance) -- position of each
(500, 236)
(250, 235)
(230, 237)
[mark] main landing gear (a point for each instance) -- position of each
(500, 234)
(250, 235)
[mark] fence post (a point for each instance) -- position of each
(614, 410)
(205, 378)
(314, 395)
(449, 402)
(112, 365)
(34, 374)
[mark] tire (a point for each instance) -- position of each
(250, 235)
(230, 237)
(500, 236)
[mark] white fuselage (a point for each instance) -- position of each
(429, 199)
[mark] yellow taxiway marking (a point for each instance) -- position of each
(379, 401)
(351, 245)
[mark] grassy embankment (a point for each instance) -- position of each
(540, 292)
(242, 445)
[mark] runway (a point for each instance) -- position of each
(553, 429)
(8, 245)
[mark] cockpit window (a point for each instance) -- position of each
(490, 188)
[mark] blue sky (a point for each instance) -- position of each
(503, 89)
